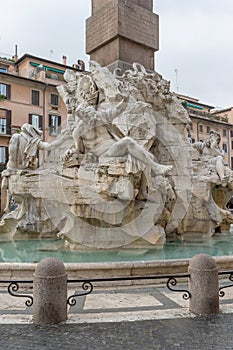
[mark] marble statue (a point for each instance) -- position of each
(24, 146)
(78, 88)
(211, 151)
(96, 135)
(125, 174)
(23, 149)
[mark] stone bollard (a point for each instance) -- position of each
(203, 285)
(49, 292)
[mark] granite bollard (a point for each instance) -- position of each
(49, 292)
(203, 285)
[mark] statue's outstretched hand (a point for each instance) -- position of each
(67, 155)
(66, 133)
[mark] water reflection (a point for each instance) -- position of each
(34, 250)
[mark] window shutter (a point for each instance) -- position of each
(8, 122)
(59, 120)
(59, 125)
(30, 118)
(32, 97)
(7, 154)
(8, 92)
(40, 121)
(50, 120)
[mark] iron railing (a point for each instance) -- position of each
(13, 287)
(87, 285)
(221, 273)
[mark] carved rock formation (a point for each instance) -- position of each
(123, 173)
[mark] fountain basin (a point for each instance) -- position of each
(172, 259)
(19, 271)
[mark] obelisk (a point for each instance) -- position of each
(121, 32)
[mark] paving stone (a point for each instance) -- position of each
(197, 333)
(164, 325)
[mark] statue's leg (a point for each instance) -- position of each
(220, 167)
(5, 190)
(146, 157)
(128, 145)
(13, 151)
(118, 149)
(8, 202)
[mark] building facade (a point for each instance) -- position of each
(206, 118)
(28, 94)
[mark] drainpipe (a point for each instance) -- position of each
(198, 131)
(44, 109)
(229, 148)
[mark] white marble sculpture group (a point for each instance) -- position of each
(122, 173)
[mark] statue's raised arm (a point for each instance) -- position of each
(24, 146)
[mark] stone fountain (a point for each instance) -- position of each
(122, 174)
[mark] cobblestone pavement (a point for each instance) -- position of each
(119, 318)
(185, 333)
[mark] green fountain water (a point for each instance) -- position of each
(33, 250)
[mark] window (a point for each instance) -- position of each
(54, 124)
(201, 128)
(208, 129)
(3, 69)
(5, 90)
(231, 133)
(2, 126)
(224, 133)
(35, 120)
(54, 99)
(224, 147)
(2, 154)
(35, 97)
(5, 122)
(231, 144)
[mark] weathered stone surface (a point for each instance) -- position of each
(124, 173)
(203, 285)
(120, 30)
(49, 292)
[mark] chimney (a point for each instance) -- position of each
(64, 58)
(16, 53)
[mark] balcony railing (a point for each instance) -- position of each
(208, 115)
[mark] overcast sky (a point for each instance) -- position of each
(196, 46)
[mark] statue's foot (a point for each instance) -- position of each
(162, 169)
(225, 180)
(142, 196)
